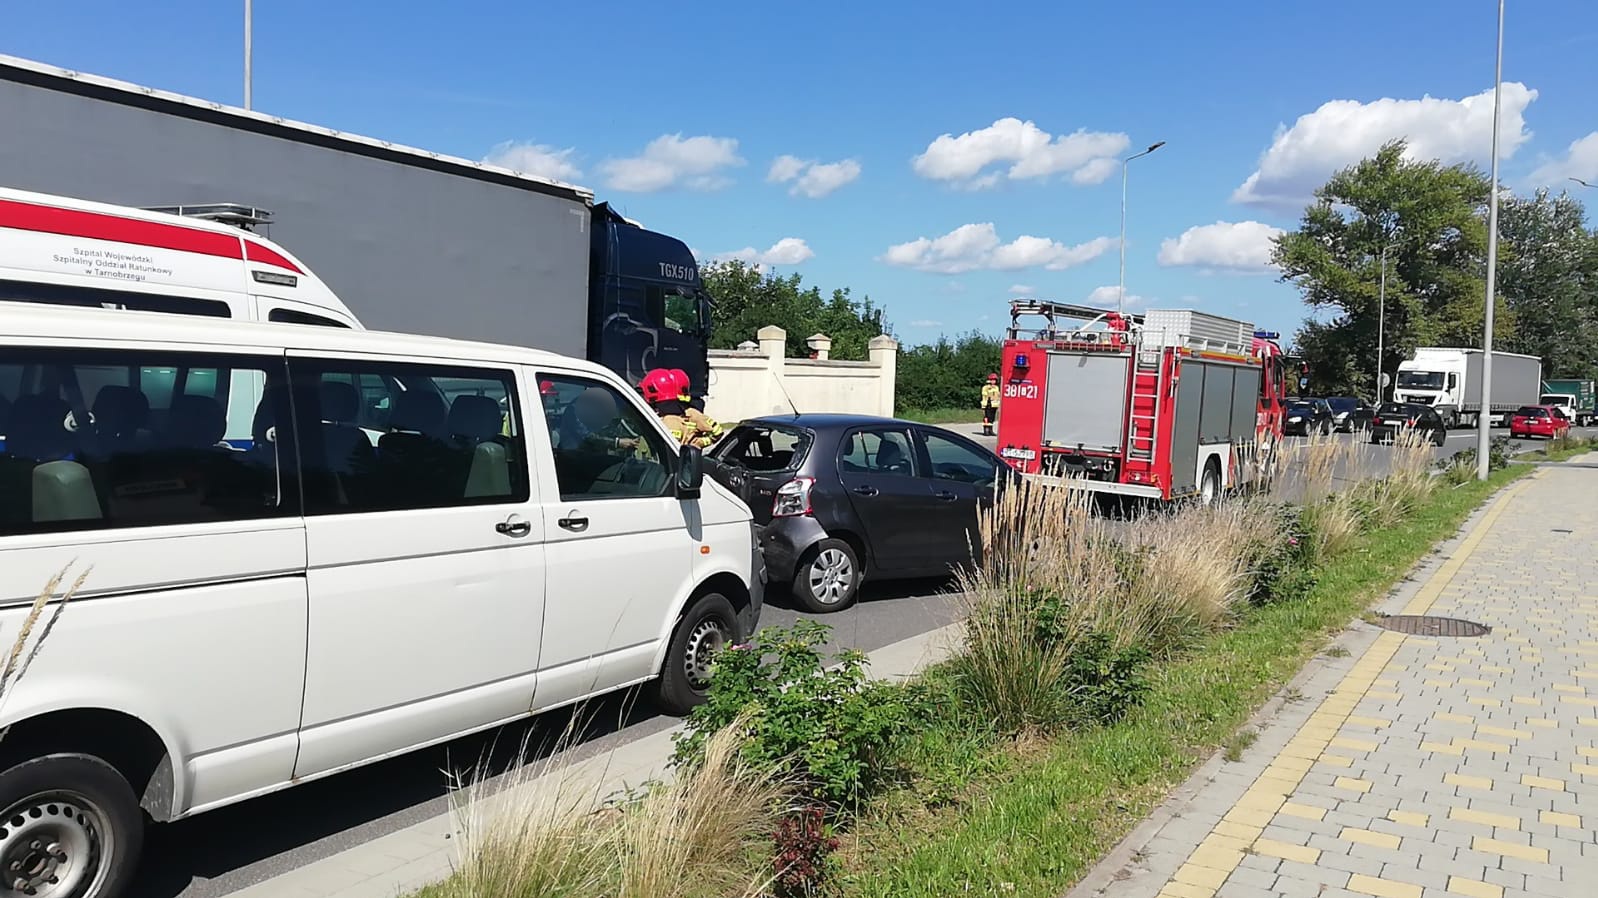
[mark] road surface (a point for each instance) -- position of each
(222, 851)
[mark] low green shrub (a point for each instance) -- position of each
(1105, 680)
(1461, 466)
(828, 726)
(1282, 566)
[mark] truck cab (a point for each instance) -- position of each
(1435, 382)
(647, 304)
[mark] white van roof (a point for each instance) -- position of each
(42, 234)
(34, 324)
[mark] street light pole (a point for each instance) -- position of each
(1485, 418)
(1120, 293)
(1381, 325)
(249, 48)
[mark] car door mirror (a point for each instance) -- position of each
(690, 472)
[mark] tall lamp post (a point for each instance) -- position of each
(249, 48)
(1381, 325)
(1120, 293)
(1485, 419)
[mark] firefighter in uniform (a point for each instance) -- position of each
(662, 391)
(990, 403)
(694, 410)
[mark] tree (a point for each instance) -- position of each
(748, 299)
(1548, 273)
(946, 374)
(1427, 219)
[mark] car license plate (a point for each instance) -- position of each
(1011, 452)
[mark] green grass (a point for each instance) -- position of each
(1554, 451)
(1035, 824)
(942, 415)
(1240, 742)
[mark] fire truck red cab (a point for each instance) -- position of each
(1165, 405)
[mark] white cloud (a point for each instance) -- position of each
(1029, 151)
(672, 160)
(1023, 289)
(926, 322)
(811, 178)
(787, 251)
(1342, 132)
(536, 159)
(1580, 161)
(974, 247)
(1106, 298)
(1236, 246)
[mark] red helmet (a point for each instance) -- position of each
(993, 378)
(681, 377)
(658, 386)
(546, 388)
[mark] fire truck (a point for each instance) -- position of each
(1165, 405)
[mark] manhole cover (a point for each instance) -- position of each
(1425, 625)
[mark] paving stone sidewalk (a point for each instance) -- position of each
(1419, 767)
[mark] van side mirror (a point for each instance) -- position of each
(690, 472)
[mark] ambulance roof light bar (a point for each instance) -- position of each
(236, 214)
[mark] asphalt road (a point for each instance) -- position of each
(225, 850)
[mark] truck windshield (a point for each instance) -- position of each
(683, 312)
(1420, 380)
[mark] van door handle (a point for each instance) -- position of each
(866, 490)
(575, 524)
(514, 527)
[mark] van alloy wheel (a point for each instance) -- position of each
(55, 844)
(704, 641)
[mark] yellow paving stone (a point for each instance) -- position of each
(1542, 782)
(1587, 751)
(1567, 687)
(1496, 669)
(1453, 718)
(1223, 859)
(1297, 765)
(1509, 849)
(1440, 668)
(1471, 681)
(1443, 748)
(1587, 721)
(1203, 877)
(1175, 889)
(1368, 837)
(1332, 760)
(1438, 684)
(1584, 769)
(1586, 675)
(1354, 744)
(1382, 888)
(1409, 818)
(1241, 831)
(1527, 700)
(1352, 784)
(1468, 782)
(1543, 722)
(1485, 818)
(1505, 732)
(1287, 851)
(1479, 745)
(1389, 684)
(1556, 818)
(1472, 888)
(1579, 700)
(1375, 722)
(1304, 811)
(1484, 701)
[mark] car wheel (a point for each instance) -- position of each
(71, 828)
(709, 625)
(829, 578)
(1210, 485)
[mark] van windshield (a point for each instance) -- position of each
(1420, 380)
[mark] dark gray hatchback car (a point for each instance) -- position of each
(840, 499)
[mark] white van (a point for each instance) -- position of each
(423, 538)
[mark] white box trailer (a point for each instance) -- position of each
(1449, 380)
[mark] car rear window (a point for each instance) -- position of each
(1342, 404)
(1531, 411)
(1393, 408)
(763, 447)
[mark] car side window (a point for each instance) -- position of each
(956, 461)
(387, 436)
(605, 447)
(877, 452)
(93, 439)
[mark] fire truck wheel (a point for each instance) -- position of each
(829, 577)
(1210, 485)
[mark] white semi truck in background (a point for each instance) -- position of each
(1449, 380)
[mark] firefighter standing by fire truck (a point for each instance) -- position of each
(990, 403)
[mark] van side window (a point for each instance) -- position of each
(605, 448)
(94, 439)
(381, 436)
(95, 298)
(294, 316)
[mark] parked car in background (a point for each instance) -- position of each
(1538, 421)
(1350, 414)
(841, 499)
(1393, 418)
(1307, 416)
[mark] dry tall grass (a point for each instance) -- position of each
(25, 647)
(550, 835)
(1408, 480)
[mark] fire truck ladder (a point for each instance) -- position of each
(1147, 390)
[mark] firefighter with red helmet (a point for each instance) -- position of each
(694, 408)
(990, 403)
(664, 392)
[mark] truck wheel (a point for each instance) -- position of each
(71, 827)
(829, 577)
(709, 625)
(1210, 484)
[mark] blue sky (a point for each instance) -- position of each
(680, 113)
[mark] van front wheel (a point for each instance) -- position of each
(71, 828)
(709, 625)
